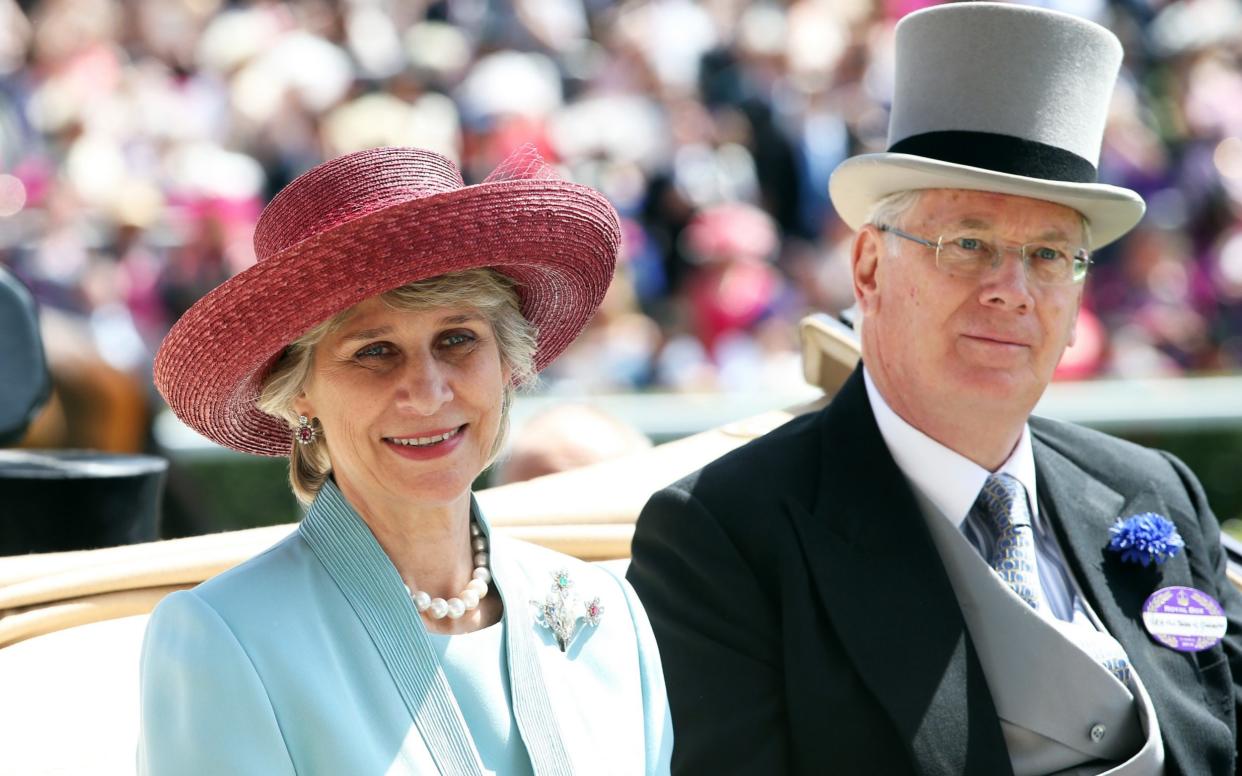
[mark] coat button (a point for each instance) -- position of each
(1097, 732)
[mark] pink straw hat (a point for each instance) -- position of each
(363, 224)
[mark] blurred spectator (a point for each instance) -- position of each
(139, 140)
(733, 286)
(567, 436)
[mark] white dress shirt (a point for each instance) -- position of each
(952, 482)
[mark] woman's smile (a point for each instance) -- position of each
(426, 446)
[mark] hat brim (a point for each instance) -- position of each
(558, 240)
(860, 182)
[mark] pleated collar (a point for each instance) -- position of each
(343, 542)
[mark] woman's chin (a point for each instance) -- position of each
(439, 488)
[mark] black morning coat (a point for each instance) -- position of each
(806, 623)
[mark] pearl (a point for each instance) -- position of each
(438, 608)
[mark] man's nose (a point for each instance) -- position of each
(1006, 284)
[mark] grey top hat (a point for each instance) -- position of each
(997, 97)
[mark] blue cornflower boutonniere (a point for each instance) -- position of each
(1145, 538)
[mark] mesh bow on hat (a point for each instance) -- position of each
(363, 224)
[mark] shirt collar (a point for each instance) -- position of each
(948, 479)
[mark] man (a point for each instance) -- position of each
(917, 578)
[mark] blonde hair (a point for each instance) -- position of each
(491, 293)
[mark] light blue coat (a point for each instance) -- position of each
(311, 658)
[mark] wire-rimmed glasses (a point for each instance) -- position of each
(1048, 263)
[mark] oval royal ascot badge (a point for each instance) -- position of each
(1184, 618)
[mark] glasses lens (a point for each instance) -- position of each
(965, 256)
(1048, 263)
(1082, 262)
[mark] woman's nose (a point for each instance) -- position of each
(424, 386)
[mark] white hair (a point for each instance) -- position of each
(891, 208)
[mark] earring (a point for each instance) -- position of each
(305, 432)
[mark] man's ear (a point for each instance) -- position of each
(865, 267)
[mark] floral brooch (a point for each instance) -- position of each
(1145, 538)
(562, 613)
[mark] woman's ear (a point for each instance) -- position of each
(302, 405)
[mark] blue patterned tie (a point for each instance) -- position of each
(1004, 506)
(1003, 503)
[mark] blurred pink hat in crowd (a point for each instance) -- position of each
(731, 231)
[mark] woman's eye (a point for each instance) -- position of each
(455, 339)
(375, 350)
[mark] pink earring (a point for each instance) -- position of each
(305, 433)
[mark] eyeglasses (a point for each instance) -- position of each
(1046, 263)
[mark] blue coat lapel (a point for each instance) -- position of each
(886, 592)
(371, 584)
(531, 706)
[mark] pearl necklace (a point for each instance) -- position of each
(468, 599)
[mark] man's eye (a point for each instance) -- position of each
(969, 243)
(1047, 253)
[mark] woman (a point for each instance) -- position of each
(377, 342)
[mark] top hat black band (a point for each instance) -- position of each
(999, 153)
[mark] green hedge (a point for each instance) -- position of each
(228, 491)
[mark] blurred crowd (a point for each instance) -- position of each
(140, 140)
